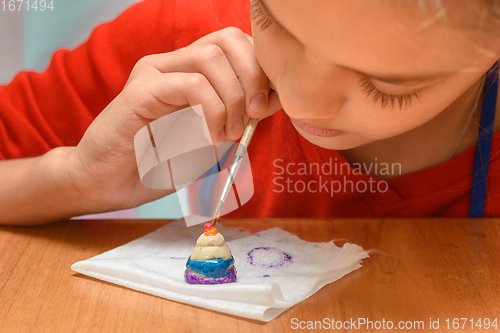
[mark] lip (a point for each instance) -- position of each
(317, 131)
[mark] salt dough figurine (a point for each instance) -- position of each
(211, 261)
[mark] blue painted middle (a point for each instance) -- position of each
(211, 267)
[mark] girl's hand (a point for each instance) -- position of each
(219, 71)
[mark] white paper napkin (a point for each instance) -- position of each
(275, 269)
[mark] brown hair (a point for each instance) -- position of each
(479, 19)
(485, 13)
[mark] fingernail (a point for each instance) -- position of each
(221, 137)
(259, 103)
(238, 127)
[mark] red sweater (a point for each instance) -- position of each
(40, 111)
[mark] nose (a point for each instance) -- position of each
(310, 90)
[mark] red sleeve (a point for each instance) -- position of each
(40, 111)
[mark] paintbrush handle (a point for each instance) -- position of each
(249, 130)
(240, 152)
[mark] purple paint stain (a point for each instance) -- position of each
(268, 257)
(177, 257)
(258, 235)
(264, 276)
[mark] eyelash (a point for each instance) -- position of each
(265, 22)
(384, 98)
(262, 19)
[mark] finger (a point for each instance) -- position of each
(239, 49)
(250, 38)
(210, 60)
(240, 53)
(274, 104)
(155, 96)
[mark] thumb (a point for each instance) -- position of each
(273, 104)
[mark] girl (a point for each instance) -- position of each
(372, 108)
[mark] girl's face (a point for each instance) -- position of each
(351, 72)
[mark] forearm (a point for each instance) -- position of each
(39, 190)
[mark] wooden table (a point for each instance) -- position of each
(424, 268)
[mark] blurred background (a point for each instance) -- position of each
(27, 41)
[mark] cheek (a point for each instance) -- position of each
(373, 122)
(389, 121)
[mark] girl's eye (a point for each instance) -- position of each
(384, 98)
(262, 19)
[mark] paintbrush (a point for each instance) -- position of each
(235, 166)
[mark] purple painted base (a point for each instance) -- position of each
(193, 278)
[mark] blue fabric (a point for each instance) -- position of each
(483, 150)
